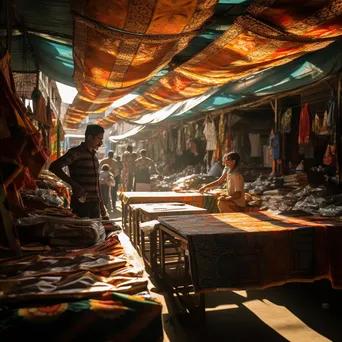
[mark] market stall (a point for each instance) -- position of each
(239, 251)
(59, 272)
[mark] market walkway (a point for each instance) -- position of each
(285, 313)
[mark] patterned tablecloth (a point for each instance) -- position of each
(116, 317)
(94, 294)
(258, 250)
(197, 199)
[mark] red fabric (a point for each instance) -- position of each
(304, 126)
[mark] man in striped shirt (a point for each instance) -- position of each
(86, 199)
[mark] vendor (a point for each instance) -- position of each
(86, 199)
(143, 167)
(235, 199)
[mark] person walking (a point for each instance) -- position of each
(107, 183)
(143, 167)
(128, 168)
(114, 169)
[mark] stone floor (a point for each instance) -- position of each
(291, 312)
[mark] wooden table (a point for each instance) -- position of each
(248, 251)
(193, 198)
(152, 211)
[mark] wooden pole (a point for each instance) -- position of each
(9, 20)
(338, 133)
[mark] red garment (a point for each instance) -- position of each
(304, 126)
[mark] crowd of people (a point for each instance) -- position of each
(95, 183)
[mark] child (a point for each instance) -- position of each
(106, 182)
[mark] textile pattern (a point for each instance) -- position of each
(258, 250)
(83, 274)
(120, 45)
(269, 34)
(21, 149)
(115, 317)
(196, 199)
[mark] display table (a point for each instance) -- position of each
(152, 211)
(250, 251)
(197, 199)
(95, 294)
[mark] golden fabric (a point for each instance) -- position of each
(110, 63)
(269, 34)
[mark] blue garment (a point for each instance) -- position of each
(275, 144)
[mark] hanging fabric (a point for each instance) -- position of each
(221, 128)
(320, 127)
(210, 134)
(304, 126)
(286, 121)
(274, 144)
(331, 111)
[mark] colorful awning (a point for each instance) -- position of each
(120, 45)
(269, 34)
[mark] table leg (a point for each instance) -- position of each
(162, 251)
(129, 214)
(124, 214)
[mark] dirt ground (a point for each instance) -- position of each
(292, 312)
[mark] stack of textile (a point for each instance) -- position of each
(296, 180)
(59, 231)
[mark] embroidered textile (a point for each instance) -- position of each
(142, 38)
(269, 34)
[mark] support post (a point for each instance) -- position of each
(338, 133)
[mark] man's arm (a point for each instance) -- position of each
(57, 166)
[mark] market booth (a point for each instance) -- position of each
(66, 273)
(61, 276)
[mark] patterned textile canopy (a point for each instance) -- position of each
(269, 34)
(167, 52)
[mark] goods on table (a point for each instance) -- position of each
(49, 192)
(292, 193)
(182, 182)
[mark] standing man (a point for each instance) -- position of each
(128, 166)
(143, 168)
(114, 169)
(86, 199)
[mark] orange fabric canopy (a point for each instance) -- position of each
(270, 33)
(120, 45)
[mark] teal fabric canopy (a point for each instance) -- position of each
(303, 71)
(47, 42)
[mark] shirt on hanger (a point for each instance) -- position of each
(255, 145)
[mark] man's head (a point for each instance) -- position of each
(118, 158)
(130, 148)
(143, 153)
(94, 136)
(110, 154)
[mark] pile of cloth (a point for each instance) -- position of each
(60, 232)
(181, 182)
(296, 180)
(308, 199)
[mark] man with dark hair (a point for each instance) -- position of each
(114, 169)
(86, 199)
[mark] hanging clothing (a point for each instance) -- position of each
(255, 145)
(221, 128)
(304, 126)
(331, 111)
(274, 143)
(286, 121)
(210, 135)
